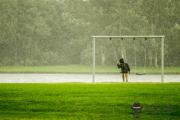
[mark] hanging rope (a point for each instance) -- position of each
(145, 55)
(145, 58)
(114, 49)
(135, 62)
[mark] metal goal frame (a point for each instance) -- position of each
(94, 38)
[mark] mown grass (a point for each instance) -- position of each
(76, 101)
(82, 69)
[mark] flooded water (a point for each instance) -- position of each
(61, 78)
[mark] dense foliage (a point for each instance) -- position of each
(56, 32)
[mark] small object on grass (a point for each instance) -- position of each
(136, 107)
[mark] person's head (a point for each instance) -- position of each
(121, 60)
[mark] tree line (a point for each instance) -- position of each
(57, 32)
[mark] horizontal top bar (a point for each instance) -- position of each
(161, 36)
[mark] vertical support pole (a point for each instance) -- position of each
(162, 59)
(94, 58)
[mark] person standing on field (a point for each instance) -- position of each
(125, 69)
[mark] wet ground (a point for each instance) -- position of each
(61, 78)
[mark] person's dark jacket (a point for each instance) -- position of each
(124, 67)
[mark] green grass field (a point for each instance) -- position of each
(81, 69)
(76, 101)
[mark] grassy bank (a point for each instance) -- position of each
(88, 101)
(82, 69)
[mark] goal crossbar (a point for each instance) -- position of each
(128, 36)
(162, 37)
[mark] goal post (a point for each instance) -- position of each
(94, 38)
